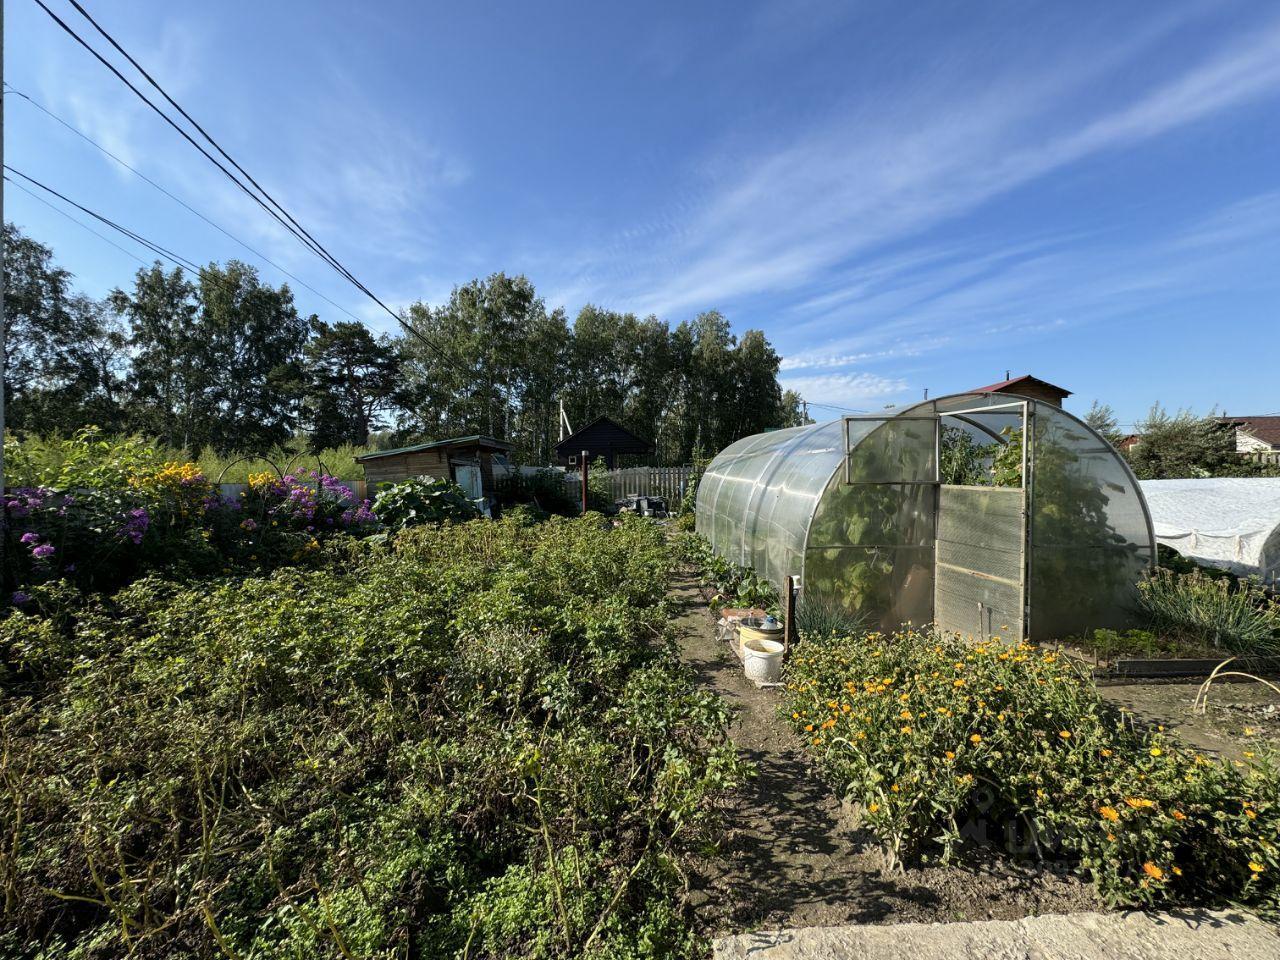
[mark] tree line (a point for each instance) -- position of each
(224, 360)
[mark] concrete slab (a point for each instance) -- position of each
(1191, 935)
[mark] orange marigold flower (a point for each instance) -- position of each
(1178, 815)
(1152, 871)
(1109, 813)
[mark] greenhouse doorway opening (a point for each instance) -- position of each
(958, 478)
(980, 565)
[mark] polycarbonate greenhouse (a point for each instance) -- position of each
(982, 513)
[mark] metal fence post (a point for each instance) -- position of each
(584, 481)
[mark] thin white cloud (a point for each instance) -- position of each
(853, 390)
(871, 177)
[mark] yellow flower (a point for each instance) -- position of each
(1177, 871)
(905, 730)
(808, 728)
(1255, 867)
(905, 715)
(1106, 752)
(1065, 734)
(1139, 803)
(1109, 813)
(975, 738)
(1156, 751)
(958, 683)
(1152, 871)
(874, 807)
(1250, 814)
(894, 788)
(950, 755)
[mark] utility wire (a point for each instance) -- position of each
(136, 237)
(217, 146)
(176, 199)
(78, 223)
(283, 216)
(170, 121)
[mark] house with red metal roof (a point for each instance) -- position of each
(1255, 434)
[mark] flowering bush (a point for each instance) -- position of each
(129, 512)
(943, 741)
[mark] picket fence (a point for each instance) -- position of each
(668, 482)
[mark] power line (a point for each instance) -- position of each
(283, 216)
(136, 237)
(79, 223)
(176, 199)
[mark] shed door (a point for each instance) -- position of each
(468, 478)
(980, 575)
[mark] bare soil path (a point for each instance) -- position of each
(793, 859)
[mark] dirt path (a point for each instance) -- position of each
(791, 858)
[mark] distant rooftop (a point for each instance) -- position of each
(475, 440)
(1011, 386)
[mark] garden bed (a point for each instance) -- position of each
(473, 740)
(795, 855)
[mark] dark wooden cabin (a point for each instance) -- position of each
(603, 437)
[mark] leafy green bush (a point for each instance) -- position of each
(465, 742)
(420, 500)
(1239, 617)
(943, 742)
(734, 586)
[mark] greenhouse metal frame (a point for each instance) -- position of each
(1045, 538)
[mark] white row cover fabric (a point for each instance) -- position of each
(1227, 522)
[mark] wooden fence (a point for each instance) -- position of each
(669, 482)
(1271, 457)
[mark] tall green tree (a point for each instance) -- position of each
(352, 382)
(1183, 445)
(253, 340)
(63, 355)
(168, 370)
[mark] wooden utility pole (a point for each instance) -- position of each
(4, 287)
(583, 457)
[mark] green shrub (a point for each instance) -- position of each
(464, 741)
(734, 586)
(944, 742)
(1238, 616)
(420, 500)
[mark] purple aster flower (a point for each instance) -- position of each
(30, 537)
(43, 551)
(19, 598)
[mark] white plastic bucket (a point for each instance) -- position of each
(762, 660)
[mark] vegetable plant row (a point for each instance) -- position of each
(470, 740)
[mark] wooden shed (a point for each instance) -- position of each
(603, 437)
(468, 461)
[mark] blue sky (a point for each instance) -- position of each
(901, 195)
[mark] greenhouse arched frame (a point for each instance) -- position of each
(984, 514)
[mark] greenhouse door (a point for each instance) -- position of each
(980, 570)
